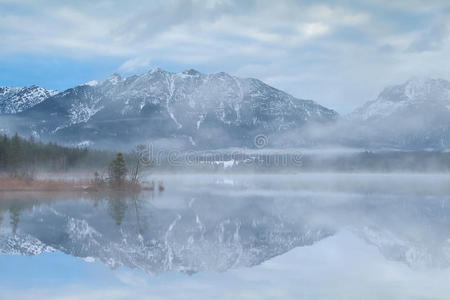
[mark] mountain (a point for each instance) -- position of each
(410, 96)
(413, 115)
(207, 110)
(17, 99)
(203, 111)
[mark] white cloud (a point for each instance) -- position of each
(353, 49)
(314, 29)
(135, 64)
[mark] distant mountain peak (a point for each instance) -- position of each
(415, 91)
(192, 72)
(417, 88)
(156, 70)
(114, 79)
(412, 115)
(17, 99)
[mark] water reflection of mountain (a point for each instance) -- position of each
(413, 230)
(200, 234)
(196, 231)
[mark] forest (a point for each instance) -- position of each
(23, 157)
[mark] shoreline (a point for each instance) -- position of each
(13, 184)
(21, 184)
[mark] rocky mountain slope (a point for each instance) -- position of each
(211, 110)
(204, 111)
(413, 115)
(407, 97)
(17, 99)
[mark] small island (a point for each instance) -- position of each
(29, 165)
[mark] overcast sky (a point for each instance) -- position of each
(338, 53)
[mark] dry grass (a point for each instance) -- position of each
(19, 184)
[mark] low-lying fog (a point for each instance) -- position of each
(290, 236)
(300, 183)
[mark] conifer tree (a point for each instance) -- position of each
(15, 155)
(117, 170)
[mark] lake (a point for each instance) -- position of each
(295, 236)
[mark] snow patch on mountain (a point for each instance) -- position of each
(17, 99)
(92, 83)
(82, 112)
(114, 79)
(22, 244)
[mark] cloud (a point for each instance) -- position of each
(135, 64)
(353, 48)
(432, 39)
(119, 30)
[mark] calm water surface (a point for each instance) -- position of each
(310, 236)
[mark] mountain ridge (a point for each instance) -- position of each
(412, 115)
(189, 105)
(17, 99)
(397, 97)
(190, 109)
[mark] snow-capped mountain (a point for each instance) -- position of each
(191, 109)
(413, 115)
(203, 109)
(414, 93)
(16, 99)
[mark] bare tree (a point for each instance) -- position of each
(139, 158)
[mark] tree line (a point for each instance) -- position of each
(20, 156)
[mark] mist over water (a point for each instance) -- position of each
(257, 235)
